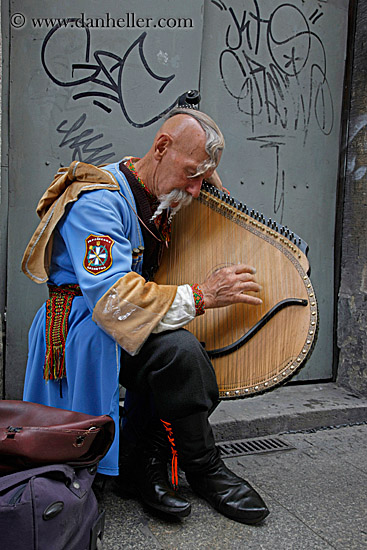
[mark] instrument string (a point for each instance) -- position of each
(231, 259)
(254, 313)
(244, 307)
(241, 309)
(270, 286)
(278, 336)
(235, 259)
(215, 262)
(250, 260)
(256, 310)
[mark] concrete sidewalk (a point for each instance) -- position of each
(297, 407)
(316, 491)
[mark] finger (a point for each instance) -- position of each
(244, 268)
(251, 300)
(251, 287)
(245, 277)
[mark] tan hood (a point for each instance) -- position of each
(65, 188)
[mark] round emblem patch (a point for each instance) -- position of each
(98, 253)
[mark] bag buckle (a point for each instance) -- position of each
(79, 442)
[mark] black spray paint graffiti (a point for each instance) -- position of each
(275, 68)
(81, 142)
(275, 142)
(105, 73)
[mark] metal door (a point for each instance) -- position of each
(90, 83)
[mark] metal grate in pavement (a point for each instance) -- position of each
(242, 447)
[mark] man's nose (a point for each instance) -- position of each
(194, 188)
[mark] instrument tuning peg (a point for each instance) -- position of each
(189, 99)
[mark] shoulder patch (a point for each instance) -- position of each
(98, 253)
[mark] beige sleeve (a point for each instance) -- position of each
(131, 309)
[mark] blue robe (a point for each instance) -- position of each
(92, 357)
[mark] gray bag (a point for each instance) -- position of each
(50, 507)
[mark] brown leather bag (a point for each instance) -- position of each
(32, 435)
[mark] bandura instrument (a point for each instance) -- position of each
(252, 348)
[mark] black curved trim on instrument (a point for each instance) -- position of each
(259, 325)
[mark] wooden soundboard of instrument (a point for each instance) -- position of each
(252, 348)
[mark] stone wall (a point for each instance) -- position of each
(352, 304)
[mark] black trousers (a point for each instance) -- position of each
(174, 371)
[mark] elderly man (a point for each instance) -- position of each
(98, 247)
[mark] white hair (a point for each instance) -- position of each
(214, 138)
(176, 195)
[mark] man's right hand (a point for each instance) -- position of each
(229, 285)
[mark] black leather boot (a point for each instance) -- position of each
(209, 477)
(144, 472)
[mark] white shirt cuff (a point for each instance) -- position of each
(181, 312)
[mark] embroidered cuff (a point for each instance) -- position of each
(198, 299)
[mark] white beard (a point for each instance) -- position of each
(177, 195)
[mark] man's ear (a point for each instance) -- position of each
(161, 145)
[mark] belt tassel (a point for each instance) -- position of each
(58, 308)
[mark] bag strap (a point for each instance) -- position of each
(11, 480)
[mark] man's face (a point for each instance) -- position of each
(178, 166)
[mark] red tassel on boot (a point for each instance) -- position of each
(174, 463)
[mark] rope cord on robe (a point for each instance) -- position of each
(58, 308)
(162, 223)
